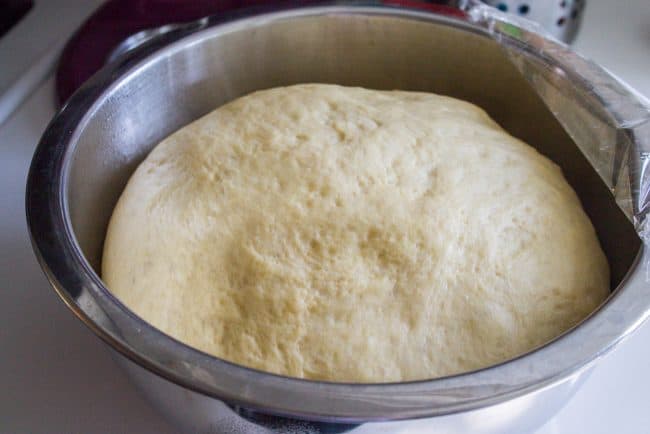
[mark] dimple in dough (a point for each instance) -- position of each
(353, 235)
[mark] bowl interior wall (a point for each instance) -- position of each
(377, 52)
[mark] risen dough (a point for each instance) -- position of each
(354, 235)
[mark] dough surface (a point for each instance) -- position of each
(353, 235)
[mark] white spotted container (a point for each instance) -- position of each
(560, 18)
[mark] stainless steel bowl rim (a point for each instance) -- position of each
(84, 293)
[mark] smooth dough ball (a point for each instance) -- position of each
(353, 235)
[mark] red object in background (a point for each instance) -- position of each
(86, 52)
(436, 7)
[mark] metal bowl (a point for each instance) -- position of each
(92, 146)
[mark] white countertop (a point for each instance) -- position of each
(56, 376)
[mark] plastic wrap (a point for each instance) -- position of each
(617, 140)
